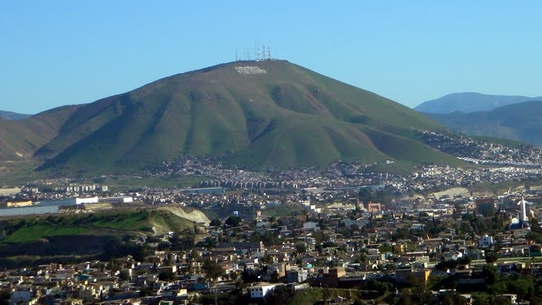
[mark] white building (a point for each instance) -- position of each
(486, 241)
(311, 226)
(260, 290)
(119, 199)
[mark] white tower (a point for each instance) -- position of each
(523, 214)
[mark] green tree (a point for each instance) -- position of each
(300, 248)
(491, 274)
(212, 270)
(535, 236)
(166, 276)
(491, 257)
(280, 295)
(452, 298)
(233, 221)
(215, 223)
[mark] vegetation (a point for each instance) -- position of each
(105, 223)
(289, 116)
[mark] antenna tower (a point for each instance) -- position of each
(268, 53)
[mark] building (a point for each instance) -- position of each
(18, 204)
(9, 191)
(120, 199)
(260, 290)
(23, 297)
(31, 210)
(374, 207)
(311, 226)
(330, 276)
(412, 274)
(486, 241)
(204, 190)
(297, 276)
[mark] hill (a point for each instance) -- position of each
(20, 139)
(153, 221)
(8, 115)
(520, 122)
(255, 114)
(470, 102)
(46, 238)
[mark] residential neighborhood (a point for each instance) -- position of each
(384, 253)
(334, 235)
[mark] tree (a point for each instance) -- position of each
(300, 248)
(537, 237)
(208, 242)
(212, 270)
(452, 298)
(233, 221)
(280, 295)
(491, 274)
(215, 223)
(491, 257)
(166, 276)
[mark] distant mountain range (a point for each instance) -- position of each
(8, 115)
(254, 114)
(521, 122)
(470, 102)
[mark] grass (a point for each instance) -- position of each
(104, 223)
(38, 231)
(282, 210)
(313, 295)
(17, 173)
(290, 116)
(123, 221)
(495, 188)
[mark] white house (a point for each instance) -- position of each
(311, 226)
(486, 241)
(260, 290)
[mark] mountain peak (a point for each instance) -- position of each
(257, 114)
(468, 102)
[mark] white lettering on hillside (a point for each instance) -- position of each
(250, 70)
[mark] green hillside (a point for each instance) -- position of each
(105, 223)
(519, 122)
(257, 114)
(20, 139)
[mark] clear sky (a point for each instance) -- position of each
(62, 52)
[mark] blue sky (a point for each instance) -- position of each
(57, 53)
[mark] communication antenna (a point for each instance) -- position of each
(236, 55)
(268, 53)
(263, 52)
(256, 51)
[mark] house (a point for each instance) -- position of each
(296, 275)
(23, 297)
(260, 290)
(412, 274)
(243, 247)
(452, 255)
(486, 241)
(311, 226)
